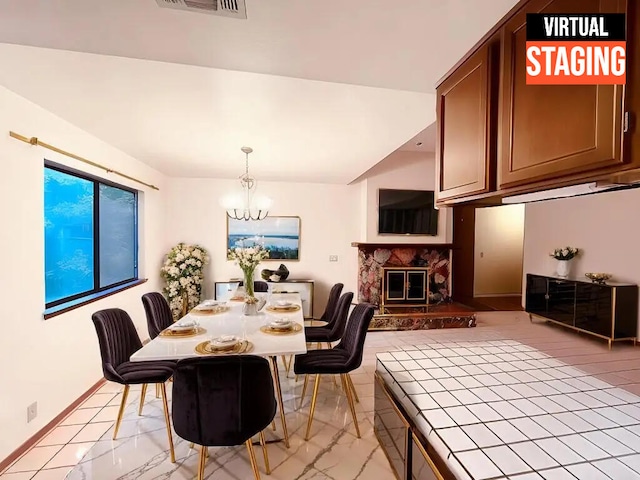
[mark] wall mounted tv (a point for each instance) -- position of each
(407, 212)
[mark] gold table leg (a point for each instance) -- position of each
(276, 377)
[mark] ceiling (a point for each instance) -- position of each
(322, 90)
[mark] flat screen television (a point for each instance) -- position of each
(407, 212)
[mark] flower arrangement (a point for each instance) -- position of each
(566, 253)
(248, 258)
(183, 273)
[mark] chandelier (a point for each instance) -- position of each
(246, 204)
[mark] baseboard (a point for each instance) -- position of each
(18, 452)
(498, 295)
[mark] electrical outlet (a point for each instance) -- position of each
(333, 258)
(32, 411)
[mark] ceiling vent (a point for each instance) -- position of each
(223, 8)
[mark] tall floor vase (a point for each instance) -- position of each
(563, 268)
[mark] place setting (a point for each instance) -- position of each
(210, 307)
(224, 345)
(281, 326)
(186, 327)
(283, 306)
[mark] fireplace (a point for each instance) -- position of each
(374, 258)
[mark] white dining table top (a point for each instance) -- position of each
(232, 322)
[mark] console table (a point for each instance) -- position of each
(608, 311)
(224, 290)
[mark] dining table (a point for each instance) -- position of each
(255, 332)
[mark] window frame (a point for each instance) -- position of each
(95, 292)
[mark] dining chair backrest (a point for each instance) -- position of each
(118, 340)
(158, 313)
(332, 304)
(222, 401)
(355, 334)
(340, 318)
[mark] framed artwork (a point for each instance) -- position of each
(279, 235)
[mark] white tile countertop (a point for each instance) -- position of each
(504, 410)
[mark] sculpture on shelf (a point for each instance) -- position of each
(281, 274)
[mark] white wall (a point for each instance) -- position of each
(604, 226)
(498, 250)
(402, 170)
(53, 361)
(329, 216)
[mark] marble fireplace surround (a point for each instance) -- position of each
(373, 256)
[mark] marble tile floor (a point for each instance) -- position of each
(80, 447)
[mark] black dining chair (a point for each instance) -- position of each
(339, 360)
(333, 331)
(159, 317)
(119, 340)
(332, 304)
(223, 401)
(258, 286)
(158, 313)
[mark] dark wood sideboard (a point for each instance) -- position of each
(608, 311)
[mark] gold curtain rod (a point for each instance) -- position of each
(35, 141)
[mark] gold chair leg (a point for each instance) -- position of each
(335, 382)
(252, 458)
(288, 364)
(316, 386)
(276, 380)
(263, 444)
(125, 393)
(347, 391)
(157, 391)
(304, 390)
(191, 445)
(163, 392)
(203, 462)
(353, 389)
(273, 424)
(142, 394)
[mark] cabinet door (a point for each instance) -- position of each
(547, 131)
(465, 151)
(391, 429)
(561, 298)
(594, 309)
(422, 466)
(536, 297)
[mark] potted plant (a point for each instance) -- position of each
(248, 258)
(564, 256)
(183, 274)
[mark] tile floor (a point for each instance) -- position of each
(81, 446)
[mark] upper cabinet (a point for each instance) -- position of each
(547, 131)
(466, 114)
(498, 136)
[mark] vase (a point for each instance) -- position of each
(250, 308)
(248, 283)
(563, 268)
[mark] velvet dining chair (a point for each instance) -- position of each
(223, 401)
(119, 340)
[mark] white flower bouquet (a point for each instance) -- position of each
(183, 274)
(248, 258)
(566, 253)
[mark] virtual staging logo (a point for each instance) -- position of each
(568, 49)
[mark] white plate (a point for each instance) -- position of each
(184, 324)
(283, 303)
(281, 324)
(224, 341)
(209, 303)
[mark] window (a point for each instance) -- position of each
(91, 235)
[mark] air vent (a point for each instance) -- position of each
(224, 8)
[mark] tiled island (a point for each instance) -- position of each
(501, 410)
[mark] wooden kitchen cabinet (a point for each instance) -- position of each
(550, 131)
(466, 112)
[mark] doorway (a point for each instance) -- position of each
(487, 256)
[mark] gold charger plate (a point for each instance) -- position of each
(236, 299)
(210, 311)
(290, 308)
(168, 333)
(281, 331)
(205, 348)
